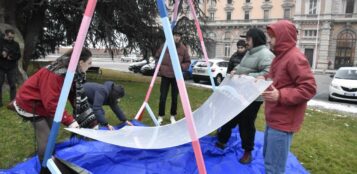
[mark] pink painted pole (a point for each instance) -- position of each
(199, 32)
(139, 115)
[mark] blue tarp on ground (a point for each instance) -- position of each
(99, 157)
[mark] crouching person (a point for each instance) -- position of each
(108, 94)
(37, 99)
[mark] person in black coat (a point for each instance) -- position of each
(105, 94)
(237, 56)
(9, 55)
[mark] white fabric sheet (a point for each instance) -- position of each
(229, 99)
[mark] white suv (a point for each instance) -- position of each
(218, 69)
(344, 85)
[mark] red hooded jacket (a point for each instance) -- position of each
(292, 76)
(41, 93)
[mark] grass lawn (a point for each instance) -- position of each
(327, 142)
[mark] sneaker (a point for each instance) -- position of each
(220, 145)
(246, 158)
(172, 119)
(160, 119)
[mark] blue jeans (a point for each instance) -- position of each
(276, 149)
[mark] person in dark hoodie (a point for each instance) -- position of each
(105, 94)
(237, 56)
(286, 99)
(9, 55)
(256, 62)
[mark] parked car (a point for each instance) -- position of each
(136, 66)
(218, 69)
(188, 74)
(148, 69)
(344, 85)
(131, 58)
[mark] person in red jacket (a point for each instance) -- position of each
(36, 100)
(286, 99)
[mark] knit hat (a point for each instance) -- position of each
(116, 92)
(258, 36)
(242, 43)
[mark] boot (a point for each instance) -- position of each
(246, 158)
(220, 145)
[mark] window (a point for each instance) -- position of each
(213, 2)
(345, 49)
(227, 50)
(229, 1)
(211, 16)
(312, 6)
(247, 1)
(246, 15)
(287, 13)
(229, 16)
(309, 54)
(350, 6)
(310, 33)
(266, 14)
(267, 0)
(227, 35)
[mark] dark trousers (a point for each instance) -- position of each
(164, 89)
(246, 120)
(42, 126)
(11, 80)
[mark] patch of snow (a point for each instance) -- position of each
(348, 108)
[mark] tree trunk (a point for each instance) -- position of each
(10, 11)
(34, 29)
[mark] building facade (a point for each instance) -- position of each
(327, 28)
(229, 19)
(327, 32)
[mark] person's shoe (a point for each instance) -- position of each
(11, 106)
(246, 158)
(160, 119)
(220, 145)
(172, 119)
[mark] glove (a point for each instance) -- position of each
(74, 125)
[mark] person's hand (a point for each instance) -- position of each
(110, 127)
(74, 125)
(271, 95)
(259, 78)
(232, 73)
(4, 54)
(129, 123)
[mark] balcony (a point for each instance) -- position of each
(241, 22)
(349, 17)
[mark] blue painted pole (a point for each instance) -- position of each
(69, 79)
